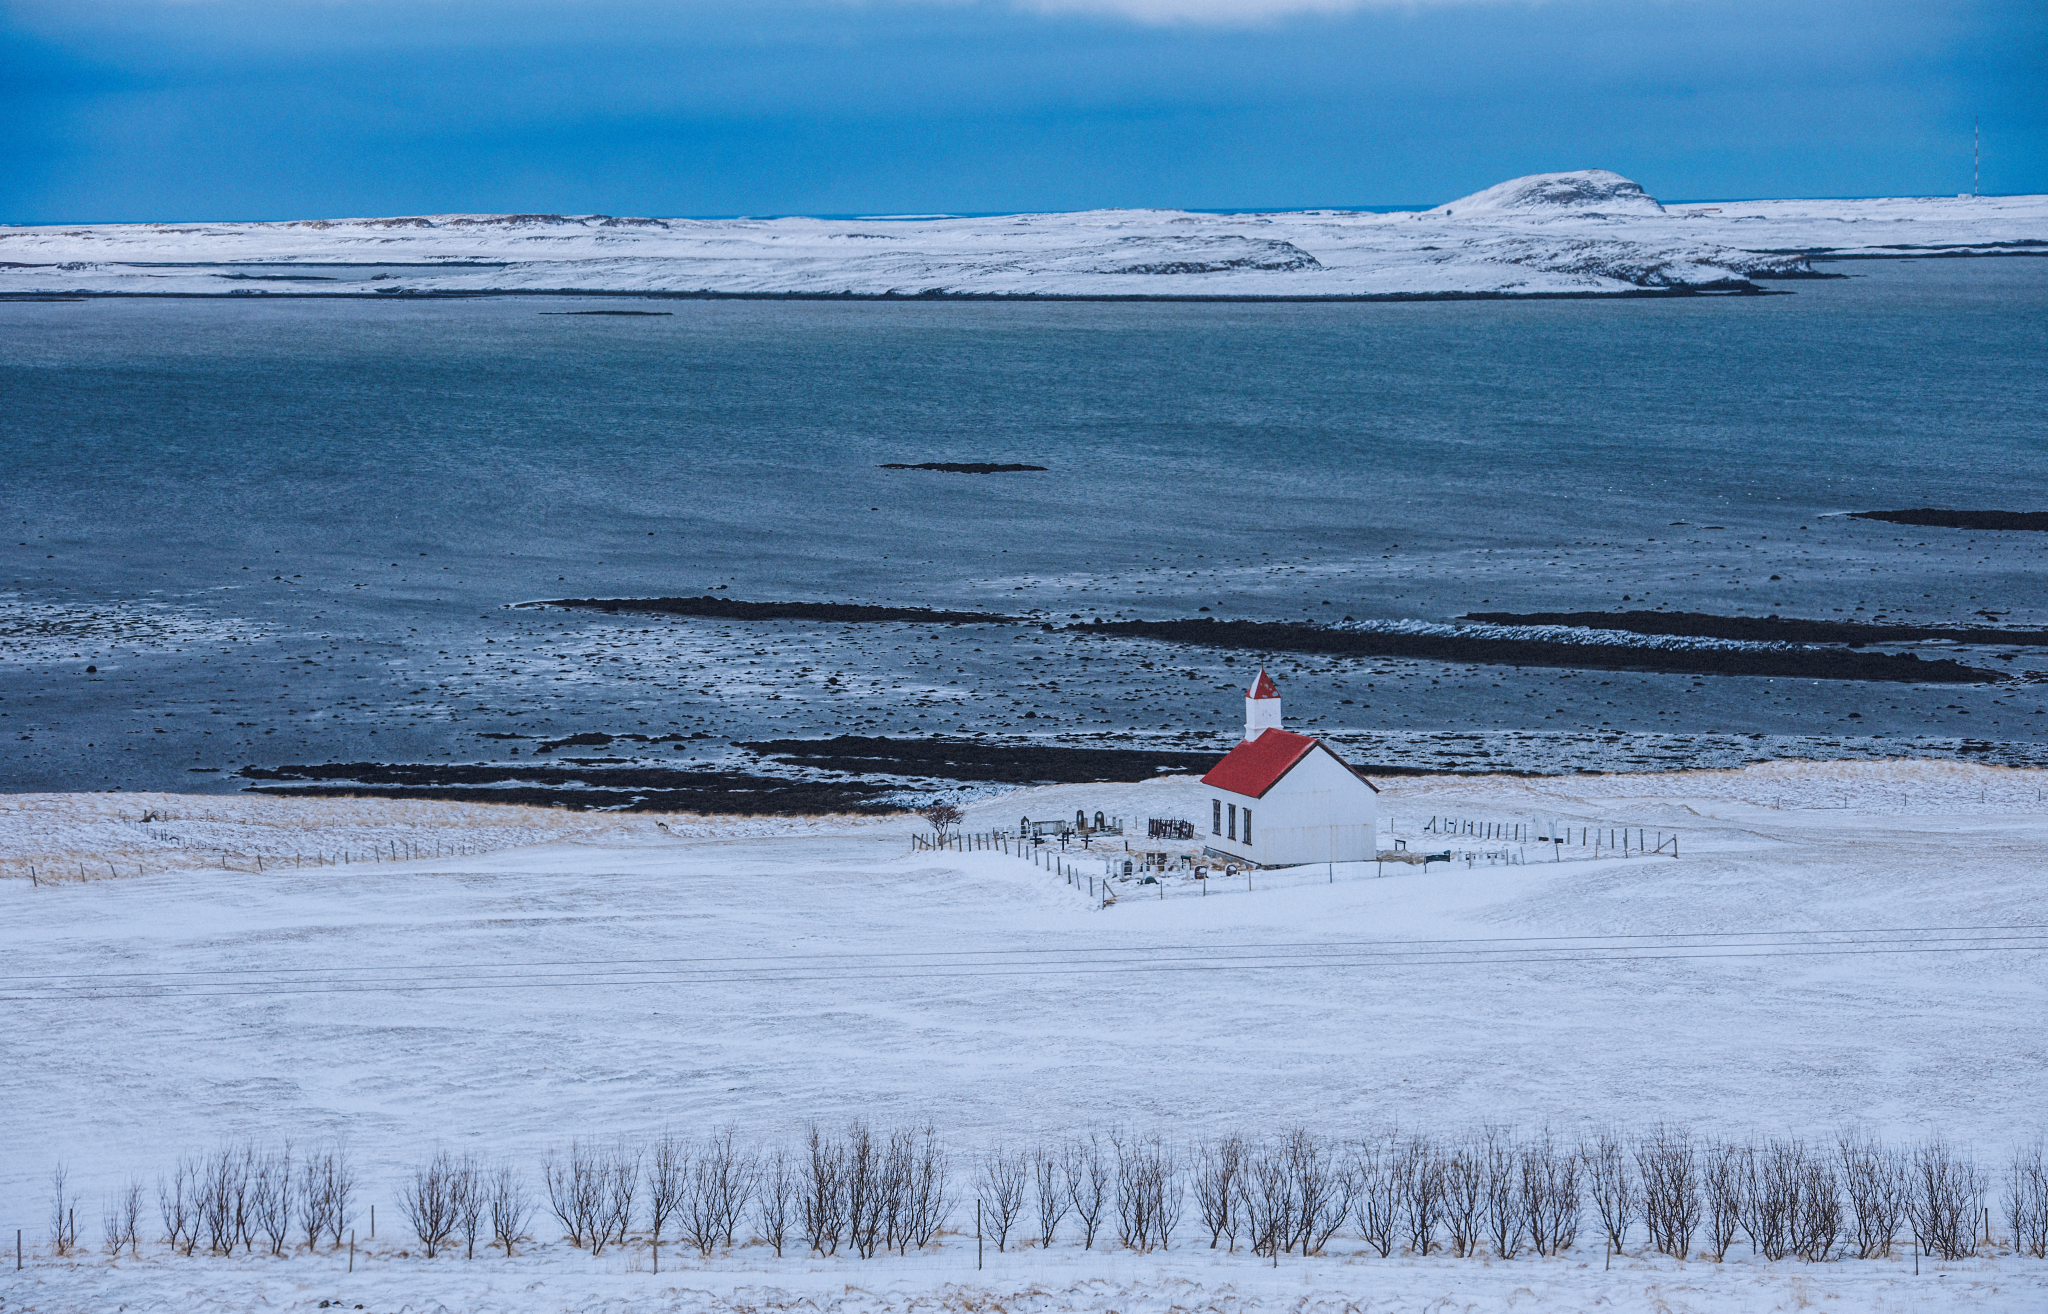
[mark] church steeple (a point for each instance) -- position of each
(1261, 707)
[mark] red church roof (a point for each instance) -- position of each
(1256, 765)
(1263, 687)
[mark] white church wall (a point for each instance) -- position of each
(1317, 812)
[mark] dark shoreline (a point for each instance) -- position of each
(1762, 629)
(1804, 664)
(1927, 517)
(739, 609)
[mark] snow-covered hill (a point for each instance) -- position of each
(1585, 232)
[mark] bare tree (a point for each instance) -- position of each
(270, 1195)
(122, 1223)
(2026, 1200)
(1464, 1197)
(1724, 1177)
(575, 1190)
(821, 1209)
(63, 1211)
(1323, 1186)
(1669, 1162)
(615, 1190)
(1377, 1205)
(174, 1202)
(1149, 1191)
(1087, 1176)
(930, 1201)
(1876, 1179)
(1611, 1181)
(1551, 1196)
(510, 1207)
(865, 1200)
(1050, 1193)
(1266, 1197)
(1506, 1210)
(667, 1181)
(1001, 1179)
(223, 1198)
(778, 1191)
(1944, 1200)
(429, 1201)
(341, 1187)
(943, 817)
(1419, 1168)
(472, 1199)
(1216, 1175)
(1818, 1218)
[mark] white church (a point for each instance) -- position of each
(1280, 799)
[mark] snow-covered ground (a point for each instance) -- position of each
(1836, 946)
(1585, 232)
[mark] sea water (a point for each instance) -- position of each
(262, 530)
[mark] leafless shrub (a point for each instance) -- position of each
(122, 1223)
(223, 1198)
(270, 1196)
(1668, 1160)
(667, 1177)
(1611, 1181)
(1149, 1192)
(1876, 1178)
(430, 1200)
(2026, 1201)
(1266, 1198)
(1464, 1197)
(1724, 1177)
(575, 1189)
(865, 1196)
(1770, 1197)
(1376, 1204)
(510, 1207)
(1001, 1179)
(1216, 1173)
(326, 1190)
(1087, 1177)
(1943, 1202)
(1323, 1186)
(928, 1202)
(175, 1205)
(1507, 1214)
(618, 1185)
(472, 1200)
(821, 1209)
(943, 818)
(719, 1185)
(1050, 1192)
(1419, 1168)
(63, 1212)
(778, 1191)
(1551, 1196)
(1817, 1221)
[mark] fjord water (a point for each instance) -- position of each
(280, 526)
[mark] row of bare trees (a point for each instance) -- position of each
(875, 1190)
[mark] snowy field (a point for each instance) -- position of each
(1590, 231)
(1840, 944)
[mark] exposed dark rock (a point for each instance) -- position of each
(736, 609)
(1783, 629)
(1797, 663)
(1933, 518)
(960, 467)
(982, 760)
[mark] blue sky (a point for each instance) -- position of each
(233, 109)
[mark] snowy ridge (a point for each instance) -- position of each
(1568, 233)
